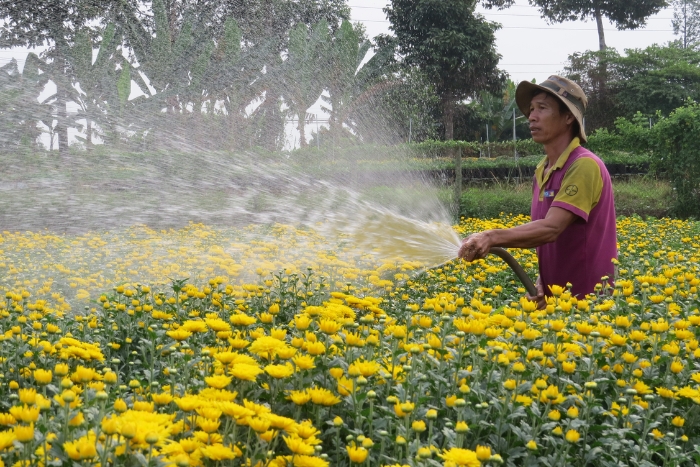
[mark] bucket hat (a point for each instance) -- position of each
(563, 89)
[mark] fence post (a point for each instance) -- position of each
(515, 150)
(458, 182)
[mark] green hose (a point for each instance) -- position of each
(517, 269)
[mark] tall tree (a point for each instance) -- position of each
(19, 109)
(686, 22)
(345, 55)
(452, 45)
(658, 78)
(624, 14)
(28, 23)
(304, 70)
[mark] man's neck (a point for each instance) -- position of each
(555, 148)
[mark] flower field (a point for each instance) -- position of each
(270, 346)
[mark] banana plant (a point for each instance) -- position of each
(346, 53)
(20, 111)
(304, 70)
(104, 84)
(498, 111)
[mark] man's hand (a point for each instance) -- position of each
(539, 298)
(475, 246)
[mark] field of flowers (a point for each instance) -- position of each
(271, 347)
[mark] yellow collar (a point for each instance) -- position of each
(543, 177)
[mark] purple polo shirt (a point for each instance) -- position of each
(580, 183)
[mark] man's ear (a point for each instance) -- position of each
(570, 119)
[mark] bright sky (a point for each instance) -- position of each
(530, 47)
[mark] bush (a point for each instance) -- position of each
(676, 143)
(641, 196)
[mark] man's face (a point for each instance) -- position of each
(546, 122)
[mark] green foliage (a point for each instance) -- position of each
(641, 196)
(303, 82)
(658, 78)
(19, 108)
(676, 140)
(451, 44)
(686, 22)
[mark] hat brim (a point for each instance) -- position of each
(526, 90)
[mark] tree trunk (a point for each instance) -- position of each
(448, 114)
(61, 120)
(301, 128)
(88, 136)
(601, 32)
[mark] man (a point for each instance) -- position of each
(573, 211)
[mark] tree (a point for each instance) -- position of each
(497, 112)
(625, 14)
(686, 22)
(19, 109)
(451, 45)
(304, 70)
(28, 23)
(345, 54)
(105, 83)
(658, 78)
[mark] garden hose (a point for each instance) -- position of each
(517, 269)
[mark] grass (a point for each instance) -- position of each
(642, 196)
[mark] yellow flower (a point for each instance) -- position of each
(461, 427)
(677, 366)
(179, 334)
(245, 372)
(357, 454)
(572, 412)
(298, 445)
(82, 448)
(531, 445)
(43, 377)
(266, 346)
(299, 397)
(163, 398)
(219, 452)
(207, 425)
(483, 453)
(316, 348)
(322, 396)
(304, 362)
(572, 436)
(218, 381)
(568, 366)
(460, 457)
(678, 421)
(24, 433)
(509, 384)
(120, 405)
(363, 367)
(280, 371)
(78, 420)
(27, 396)
(418, 426)
(329, 326)
(259, 424)
(25, 413)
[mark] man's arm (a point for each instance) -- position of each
(528, 235)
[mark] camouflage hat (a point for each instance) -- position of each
(564, 89)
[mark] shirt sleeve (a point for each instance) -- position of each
(581, 188)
